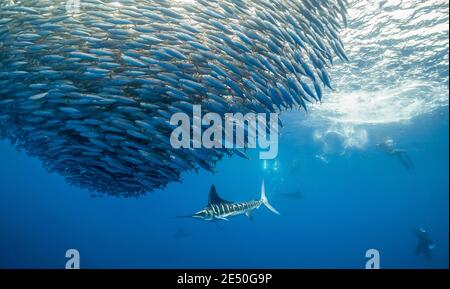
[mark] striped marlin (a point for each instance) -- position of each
(220, 209)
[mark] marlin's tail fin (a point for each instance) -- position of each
(265, 201)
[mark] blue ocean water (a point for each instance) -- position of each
(361, 200)
(338, 193)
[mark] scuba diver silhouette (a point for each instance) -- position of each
(388, 146)
(425, 245)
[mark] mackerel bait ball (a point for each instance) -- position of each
(89, 86)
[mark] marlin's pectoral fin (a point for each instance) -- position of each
(249, 215)
(222, 218)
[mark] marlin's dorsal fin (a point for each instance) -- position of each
(214, 197)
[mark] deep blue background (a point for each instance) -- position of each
(361, 200)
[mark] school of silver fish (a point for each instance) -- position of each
(90, 91)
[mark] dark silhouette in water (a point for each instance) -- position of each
(297, 195)
(425, 245)
(295, 166)
(181, 233)
(388, 146)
